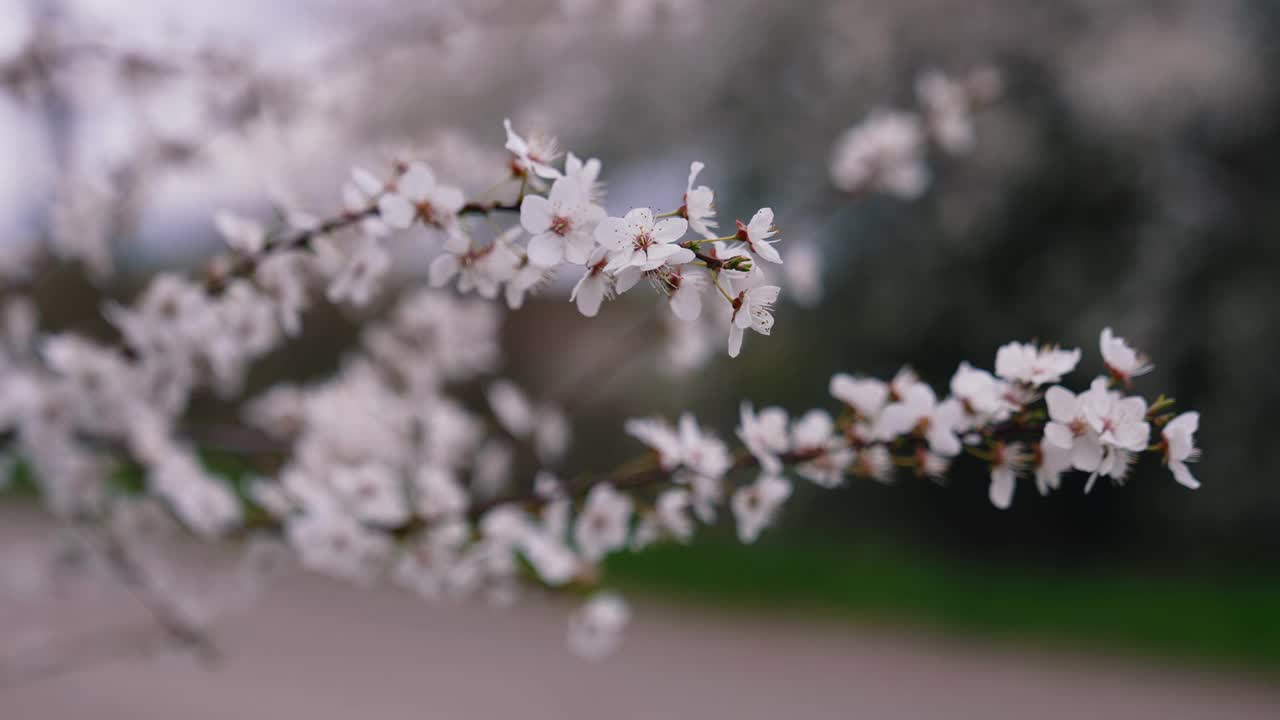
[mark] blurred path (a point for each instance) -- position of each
(318, 651)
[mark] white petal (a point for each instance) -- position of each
(588, 294)
(670, 229)
(1183, 475)
(614, 234)
(396, 211)
(535, 214)
(642, 217)
(626, 279)
(443, 268)
(766, 294)
(1059, 435)
(735, 341)
(686, 303)
(1063, 404)
(417, 183)
(546, 250)
(448, 200)
(1001, 489)
(566, 192)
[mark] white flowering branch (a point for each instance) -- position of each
(381, 472)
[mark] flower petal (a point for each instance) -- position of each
(546, 249)
(535, 214)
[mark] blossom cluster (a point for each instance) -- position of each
(384, 472)
(888, 151)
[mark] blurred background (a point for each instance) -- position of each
(1127, 177)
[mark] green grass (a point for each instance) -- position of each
(1230, 620)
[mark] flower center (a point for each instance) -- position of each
(427, 213)
(643, 240)
(561, 225)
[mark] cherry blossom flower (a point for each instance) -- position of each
(685, 293)
(337, 545)
(482, 270)
(533, 155)
(1180, 447)
(586, 175)
(757, 233)
(604, 522)
(595, 629)
(241, 234)
(699, 205)
(1050, 462)
(660, 437)
(1035, 366)
(1119, 425)
(827, 469)
(417, 196)
(867, 396)
(1008, 462)
(947, 110)
(637, 240)
(360, 197)
(527, 279)
(918, 410)
(981, 393)
(595, 284)
(1123, 362)
(764, 434)
(561, 225)
(511, 407)
(701, 451)
(372, 491)
(885, 152)
(754, 505)
(358, 279)
(672, 512)
(752, 309)
(438, 494)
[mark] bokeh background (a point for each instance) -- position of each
(1127, 177)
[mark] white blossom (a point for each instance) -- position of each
(918, 410)
(685, 293)
(604, 522)
(561, 225)
(1008, 463)
(372, 491)
(418, 196)
(1051, 461)
(595, 284)
(672, 512)
(1122, 360)
(595, 629)
(754, 505)
(586, 174)
(756, 235)
(511, 407)
(885, 152)
(1180, 447)
(699, 205)
(1035, 366)
(982, 394)
(438, 494)
(638, 240)
(947, 109)
(241, 234)
(534, 155)
(363, 270)
(753, 309)
(867, 396)
(764, 434)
